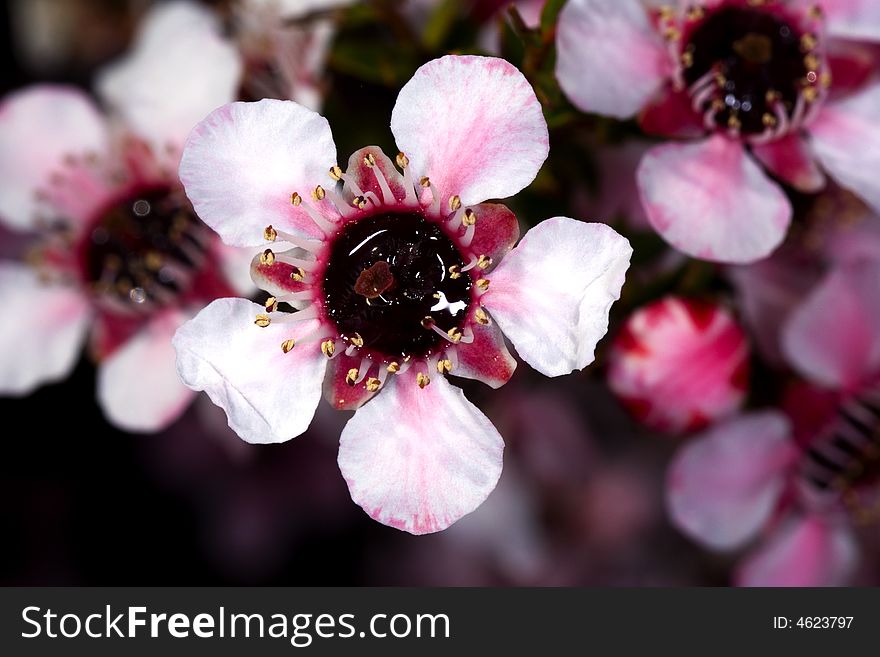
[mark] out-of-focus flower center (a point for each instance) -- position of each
(142, 250)
(754, 68)
(844, 462)
(388, 280)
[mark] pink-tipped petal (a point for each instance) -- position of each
(138, 386)
(790, 160)
(495, 232)
(419, 459)
(858, 20)
(671, 114)
(610, 59)
(268, 396)
(42, 332)
(364, 176)
(807, 551)
(680, 364)
(710, 200)
(339, 393)
(485, 359)
(846, 141)
(472, 125)
(179, 69)
(242, 163)
(551, 295)
(833, 337)
(39, 127)
(723, 486)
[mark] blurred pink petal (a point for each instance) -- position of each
(790, 160)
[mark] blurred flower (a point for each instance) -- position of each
(393, 277)
(680, 364)
(119, 255)
(773, 84)
(285, 45)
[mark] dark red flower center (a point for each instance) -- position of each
(749, 67)
(143, 249)
(391, 279)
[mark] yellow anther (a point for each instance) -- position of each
(687, 59)
(356, 339)
(373, 384)
(424, 181)
(351, 376)
(360, 202)
(809, 42)
(454, 334)
(370, 160)
(469, 218)
(402, 160)
(393, 367)
(484, 261)
(454, 271)
(733, 122)
(454, 202)
(810, 94)
(481, 316)
(811, 62)
(483, 284)
(267, 257)
(295, 199)
(287, 345)
(695, 13)
(270, 234)
(423, 380)
(768, 120)
(298, 274)
(336, 173)
(444, 366)
(815, 12)
(318, 193)
(328, 348)
(672, 33)
(262, 321)
(271, 304)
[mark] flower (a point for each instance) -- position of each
(775, 86)
(807, 480)
(284, 44)
(398, 280)
(119, 256)
(679, 364)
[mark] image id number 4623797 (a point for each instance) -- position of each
(813, 622)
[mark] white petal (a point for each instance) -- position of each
(179, 70)
(292, 9)
(419, 459)
(472, 125)
(138, 386)
(42, 331)
(610, 59)
(39, 125)
(551, 295)
(846, 141)
(242, 163)
(268, 396)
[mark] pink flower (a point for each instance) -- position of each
(680, 364)
(802, 487)
(759, 87)
(120, 256)
(399, 280)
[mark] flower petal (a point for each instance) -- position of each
(276, 279)
(338, 392)
(710, 200)
(268, 396)
(242, 163)
(858, 20)
(551, 295)
(670, 114)
(723, 486)
(42, 332)
(833, 337)
(806, 551)
(790, 160)
(293, 9)
(419, 459)
(846, 140)
(610, 59)
(485, 359)
(138, 386)
(365, 178)
(39, 126)
(495, 232)
(179, 69)
(473, 125)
